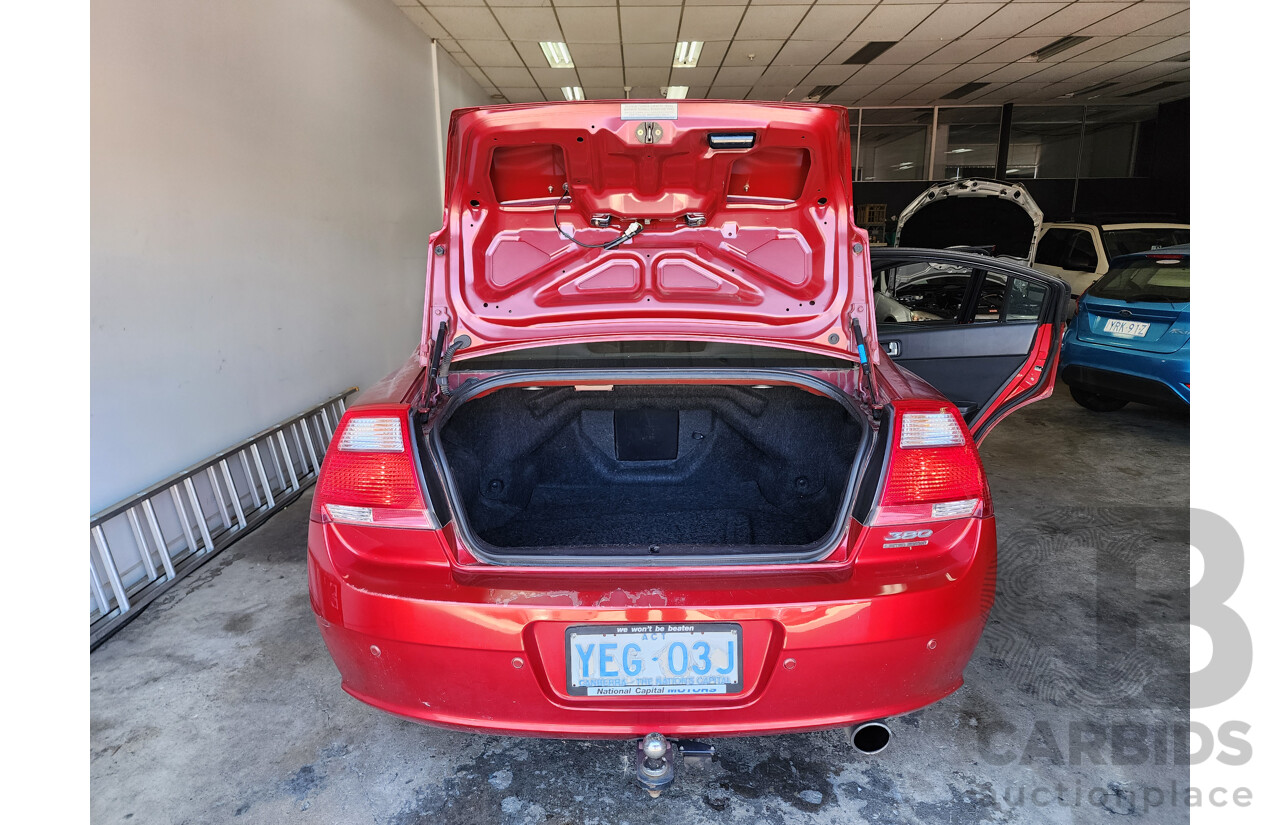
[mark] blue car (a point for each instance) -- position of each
(1131, 337)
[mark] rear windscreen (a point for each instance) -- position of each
(1147, 279)
(1119, 242)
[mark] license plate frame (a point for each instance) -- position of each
(650, 680)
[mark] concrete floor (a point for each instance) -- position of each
(220, 703)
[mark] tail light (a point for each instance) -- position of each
(369, 475)
(934, 469)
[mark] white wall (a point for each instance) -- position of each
(263, 184)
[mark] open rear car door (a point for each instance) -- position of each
(984, 331)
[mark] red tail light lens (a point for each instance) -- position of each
(368, 475)
(934, 470)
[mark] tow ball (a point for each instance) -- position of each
(656, 764)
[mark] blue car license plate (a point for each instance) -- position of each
(654, 659)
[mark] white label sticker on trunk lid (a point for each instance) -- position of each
(649, 111)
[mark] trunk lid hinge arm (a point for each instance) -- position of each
(433, 369)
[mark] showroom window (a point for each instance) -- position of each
(966, 143)
(893, 144)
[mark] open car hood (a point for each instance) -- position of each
(973, 212)
(749, 240)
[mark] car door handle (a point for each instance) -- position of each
(893, 348)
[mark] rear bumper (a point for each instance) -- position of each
(1148, 378)
(820, 650)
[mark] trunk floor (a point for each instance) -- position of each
(561, 516)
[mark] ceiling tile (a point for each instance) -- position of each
(555, 77)
(784, 75)
(713, 51)
(636, 76)
(710, 22)
(874, 73)
(830, 22)
(892, 22)
(729, 92)
(1169, 48)
(602, 92)
(423, 20)
(591, 25)
(952, 20)
(966, 73)
(767, 92)
(806, 53)
(1013, 18)
(650, 55)
(906, 53)
(1061, 71)
(650, 25)
(1177, 24)
(478, 75)
(738, 75)
(509, 76)
(699, 76)
(495, 53)
(435, 3)
(595, 54)
(961, 51)
(922, 73)
(611, 76)
(764, 22)
(751, 52)
(1132, 19)
(1016, 48)
(1120, 47)
(497, 3)
(468, 23)
(529, 23)
(522, 94)
(1073, 18)
(650, 2)
(576, 4)
(530, 53)
(828, 76)
(1013, 71)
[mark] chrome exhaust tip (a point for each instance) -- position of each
(870, 737)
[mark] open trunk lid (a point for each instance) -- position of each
(1000, 217)
(743, 210)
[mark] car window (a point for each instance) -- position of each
(1052, 249)
(1081, 255)
(1128, 241)
(927, 295)
(1153, 278)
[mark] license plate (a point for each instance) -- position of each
(1129, 329)
(654, 659)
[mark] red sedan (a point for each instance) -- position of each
(654, 469)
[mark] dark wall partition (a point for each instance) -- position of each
(1151, 144)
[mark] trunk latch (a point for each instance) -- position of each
(649, 132)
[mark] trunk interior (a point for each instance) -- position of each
(649, 470)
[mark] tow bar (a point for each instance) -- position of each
(655, 760)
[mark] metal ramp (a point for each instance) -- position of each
(140, 547)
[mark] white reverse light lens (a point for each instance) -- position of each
(930, 430)
(341, 512)
(955, 509)
(372, 435)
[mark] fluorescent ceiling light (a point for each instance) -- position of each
(958, 151)
(676, 92)
(687, 54)
(572, 92)
(557, 55)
